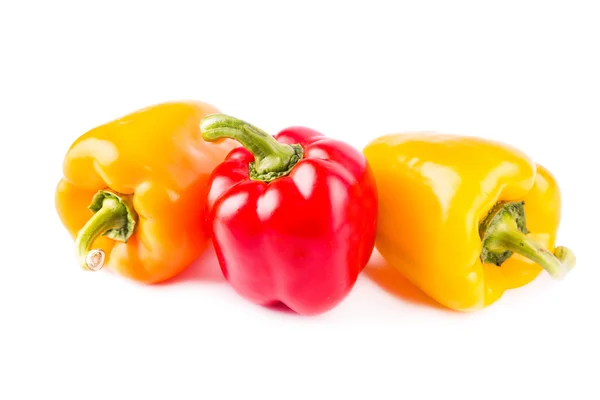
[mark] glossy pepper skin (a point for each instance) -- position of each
(145, 176)
(295, 230)
(436, 192)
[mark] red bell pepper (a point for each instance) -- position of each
(293, 216)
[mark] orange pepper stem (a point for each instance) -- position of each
(113, 217)
(504, 232)
(271, 158)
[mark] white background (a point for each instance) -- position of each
(522, 72)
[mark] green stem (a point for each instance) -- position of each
(504, 232)
(113, 217)
(271, 158)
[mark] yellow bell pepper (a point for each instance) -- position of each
(465, 218)
(134, 188)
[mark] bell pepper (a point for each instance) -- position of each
(464, 218)
(293, 216)
(135, 189)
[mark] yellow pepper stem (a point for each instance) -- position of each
(504, 232)
(113, 217)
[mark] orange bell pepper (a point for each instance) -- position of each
(134, 188)
(465, 218)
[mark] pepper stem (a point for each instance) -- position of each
(271, 158)
(113, 217)
(504, 232)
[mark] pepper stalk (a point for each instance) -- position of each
(271, 158)
(114, 217)
(504, 232)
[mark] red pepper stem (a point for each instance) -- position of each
(504, 233)
(271, 158)
(113, 217)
